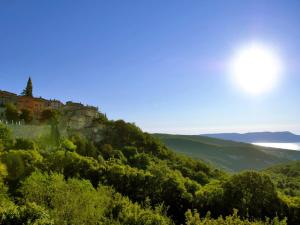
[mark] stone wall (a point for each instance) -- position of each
(29, 131)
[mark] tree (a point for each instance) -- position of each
(193, 218)
(3, 171)
(11, 112)
(48, 115)
(28, 90)
(77, 202)
(64, 197)
(26, 115)
(24, 144)
(68, 145)
(1, 146)
(253, 194)
(55, 134)
(30, 213)
(20, 164)
(6, 139)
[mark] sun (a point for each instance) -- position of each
(256, 69)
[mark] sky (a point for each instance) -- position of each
(160, 64)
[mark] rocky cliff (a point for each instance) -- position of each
(76, 118)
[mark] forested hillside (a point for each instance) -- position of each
(287, 177)
(128, 177)
(229, 155)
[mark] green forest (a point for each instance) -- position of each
(130, 177)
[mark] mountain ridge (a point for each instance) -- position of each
(252, 137)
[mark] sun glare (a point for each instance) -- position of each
(256, 69)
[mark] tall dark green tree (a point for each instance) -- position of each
(26, 115)
(28, 90)
(11, 112)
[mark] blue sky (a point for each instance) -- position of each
(160, 64)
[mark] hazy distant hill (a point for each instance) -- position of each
(281, 137)
(229, 155)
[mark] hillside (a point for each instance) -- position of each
(229, 155)
(286, 177)
(277, 137)
(126, 176)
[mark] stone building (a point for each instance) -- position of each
(55, 104)
(34, 105)
(7, 97)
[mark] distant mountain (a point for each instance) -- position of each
(229, 155)
(280, 137)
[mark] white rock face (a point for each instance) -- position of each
(79, 118)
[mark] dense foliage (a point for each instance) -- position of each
(11, 112)
(129, 177)
(287, 177)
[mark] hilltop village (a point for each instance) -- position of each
(32, 114)
(26, 108)
(34, 105)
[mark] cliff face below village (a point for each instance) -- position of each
(77, 118)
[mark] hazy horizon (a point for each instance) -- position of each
(201, 131)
